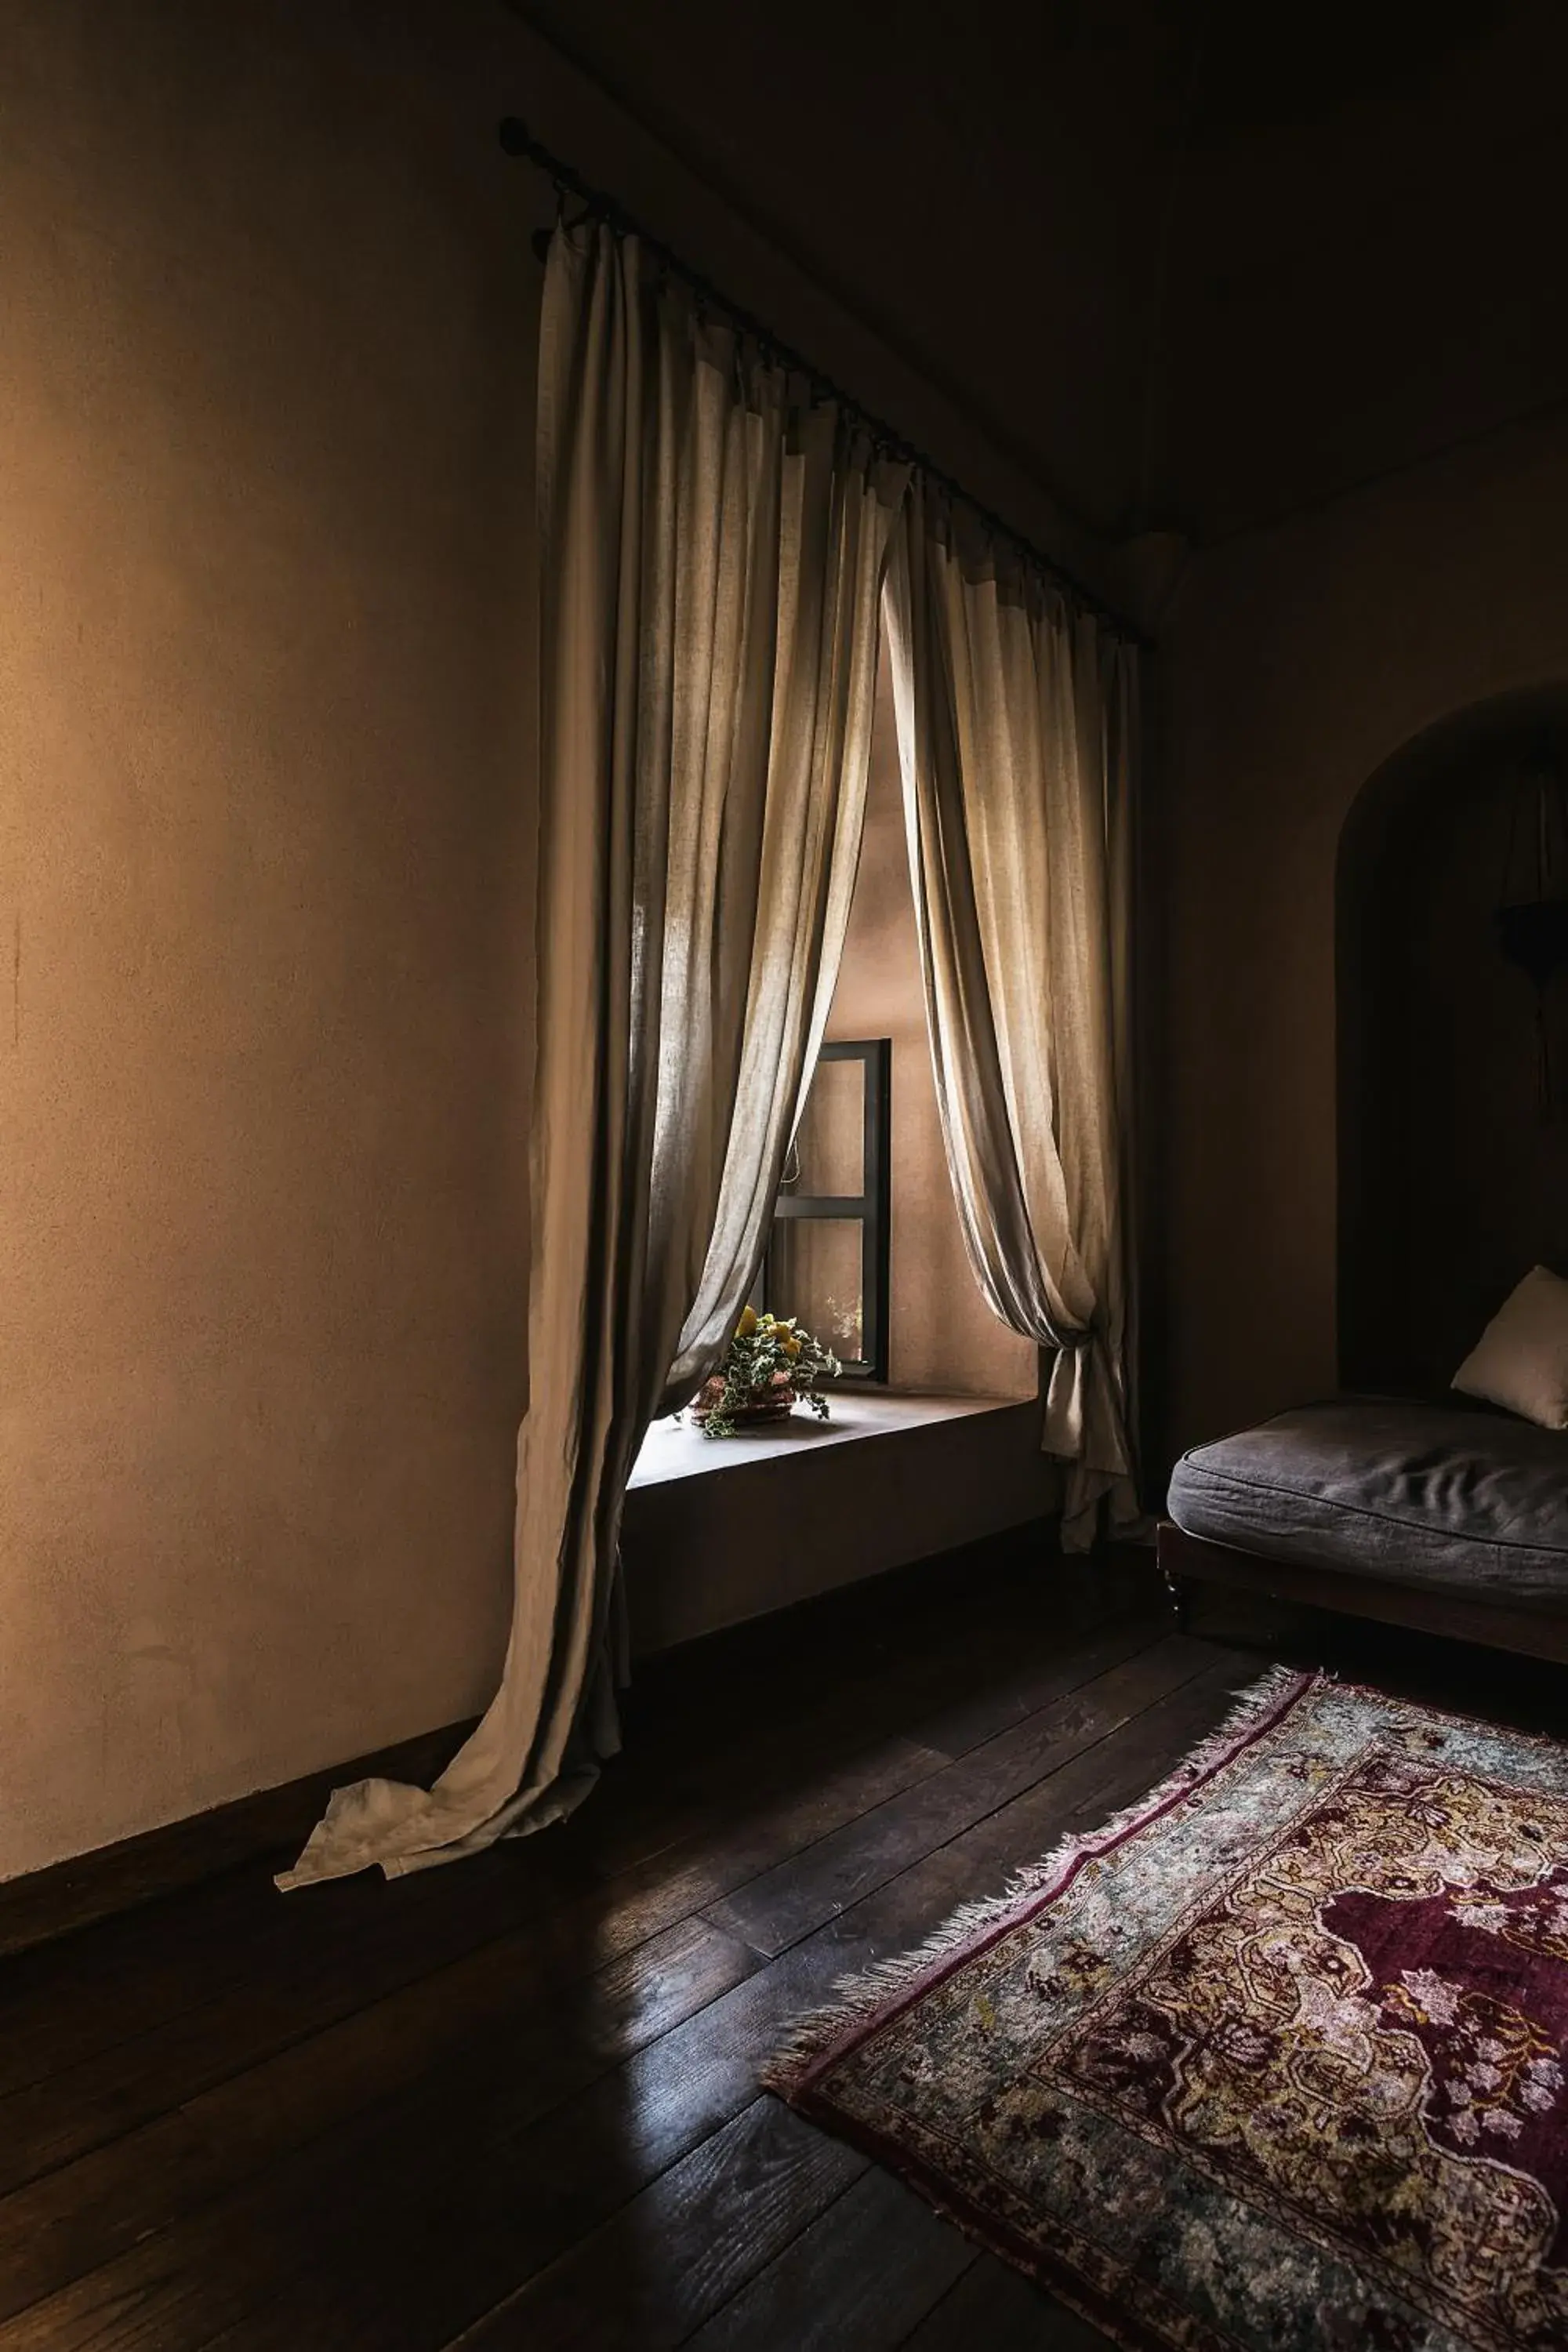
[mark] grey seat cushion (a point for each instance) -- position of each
(1415, 1494)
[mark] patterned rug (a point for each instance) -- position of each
(1276, 2059)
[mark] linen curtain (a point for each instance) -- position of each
(1015, 718)
(713, 549)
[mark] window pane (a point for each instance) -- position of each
(813, 1274)
(831, 1145)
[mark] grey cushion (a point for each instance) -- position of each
(1415, 1493)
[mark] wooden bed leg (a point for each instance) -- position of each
(1169, 1550)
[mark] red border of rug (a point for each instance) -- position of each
(794, 2076)
(1171, 1791)
(863, 2003)
(1068, 2285)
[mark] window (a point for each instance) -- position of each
(827, 1256)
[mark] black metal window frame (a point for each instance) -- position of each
(869, 1208)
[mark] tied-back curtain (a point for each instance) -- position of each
(713, 547)
(1015, 719)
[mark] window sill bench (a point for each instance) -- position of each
(718, 1529)
(677, 1449)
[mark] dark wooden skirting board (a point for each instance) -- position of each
(49, 1903)
(515, 2103)
(277, 1822)
(1531, 1633)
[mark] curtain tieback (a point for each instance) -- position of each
(1072, 1342)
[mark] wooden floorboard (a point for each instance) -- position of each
(698, 1747)
(857, 2279)
(786, 1903)
(133, 2077)
(516, 2103)
(740, 2199)
(403, 2225)
(993, 2308)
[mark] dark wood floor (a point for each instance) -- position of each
(513, 2103)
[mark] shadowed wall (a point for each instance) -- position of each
(1453, 1176)
(1296, 662)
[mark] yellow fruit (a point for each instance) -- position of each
(747, 1323)
(792, 1348)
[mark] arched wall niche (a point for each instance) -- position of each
(1451, 1182)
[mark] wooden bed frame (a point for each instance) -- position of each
(1192, 1560)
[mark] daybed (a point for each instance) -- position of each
(1451, 1517)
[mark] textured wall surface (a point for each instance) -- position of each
(264, 897)
(1296, 663)
(269, 312)
(1453, 1176)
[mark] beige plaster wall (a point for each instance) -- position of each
(264, 897)
(265, 413)
(942, 1333)
(1294, 663)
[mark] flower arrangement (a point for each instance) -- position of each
(769, 1366)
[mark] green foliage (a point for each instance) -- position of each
(766, 1354)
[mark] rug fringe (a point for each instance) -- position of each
(856, 1998)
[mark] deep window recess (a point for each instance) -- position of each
(828, 1255)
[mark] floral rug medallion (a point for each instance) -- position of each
(1279, 2059)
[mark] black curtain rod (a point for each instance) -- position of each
(517, 140)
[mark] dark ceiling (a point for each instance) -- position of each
(1192, 266)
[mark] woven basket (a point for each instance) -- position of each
(776, 1403)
